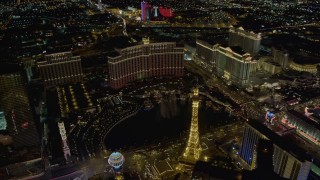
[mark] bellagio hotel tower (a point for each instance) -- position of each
(145, 61)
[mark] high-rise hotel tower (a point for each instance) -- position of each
(234, 65)
(248, 41)
(289, 161)
(144, 61)
(230, 63)
(60, 68)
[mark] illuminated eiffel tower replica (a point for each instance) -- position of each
(192, 152)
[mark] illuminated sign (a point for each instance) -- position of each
(270, 116)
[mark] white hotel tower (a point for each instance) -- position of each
(248, 41)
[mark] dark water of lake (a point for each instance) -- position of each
(167, 120)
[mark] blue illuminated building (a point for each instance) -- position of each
(289, 160)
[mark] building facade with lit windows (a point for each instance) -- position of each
(304, 125)
(144, 61)
(289, 160)
(60, 68)
(248, 41)
(230, 63)
(250, 140)
(206, 55)
(268, 65)
(234, 65)
(311, 68)
(281, 57)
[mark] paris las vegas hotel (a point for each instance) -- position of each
(144, 61)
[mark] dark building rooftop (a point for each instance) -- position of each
(279, 47)
(236, 49)
(114, 54)
(272, 62)
(220, 39)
